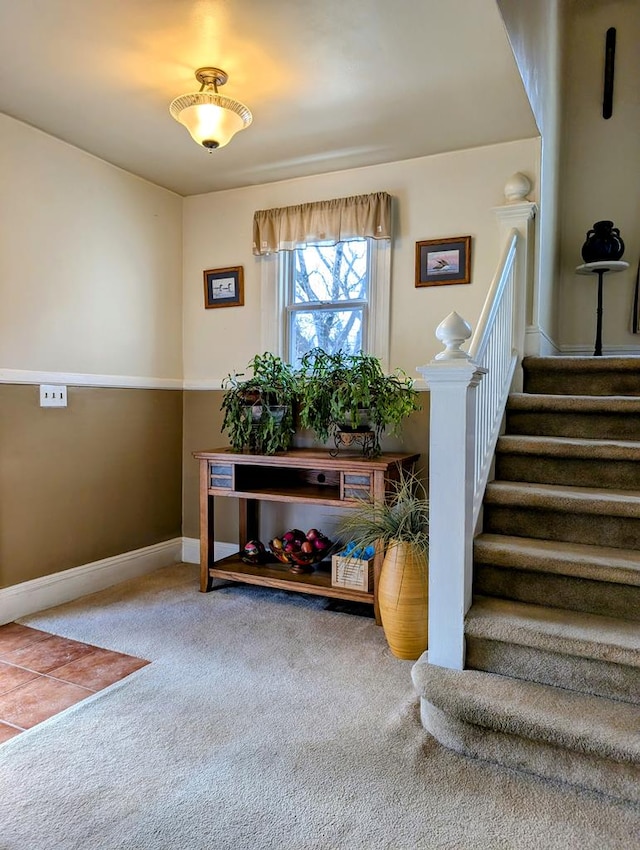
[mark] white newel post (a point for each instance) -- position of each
(519, 213)
(452, 378)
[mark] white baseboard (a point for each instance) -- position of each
(25, 598)
(191, 550)
(538, 342)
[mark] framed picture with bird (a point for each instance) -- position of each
(443, 261)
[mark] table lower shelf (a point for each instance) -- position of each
(317, 583)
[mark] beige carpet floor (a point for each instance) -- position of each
(264, 721)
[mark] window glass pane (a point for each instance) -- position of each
(328, 329)
(331, 273)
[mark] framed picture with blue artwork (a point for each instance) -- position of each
(224, 287)
(441, 261)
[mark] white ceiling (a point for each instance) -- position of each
(332, 84)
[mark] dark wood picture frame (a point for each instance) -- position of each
(443, 261)
(224, 287)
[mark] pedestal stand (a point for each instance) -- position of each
(601, 268)
(348, 439)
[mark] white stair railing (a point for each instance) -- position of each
(468, 394)
(494, 347)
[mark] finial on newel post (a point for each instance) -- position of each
(453, 332)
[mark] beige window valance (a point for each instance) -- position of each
(324, 222)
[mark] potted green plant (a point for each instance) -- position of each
(399, 527)
(258, 410)
(341, 392)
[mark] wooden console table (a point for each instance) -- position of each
(301, 476)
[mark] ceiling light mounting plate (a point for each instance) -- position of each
(211, 77)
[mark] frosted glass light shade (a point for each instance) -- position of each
(212, 119)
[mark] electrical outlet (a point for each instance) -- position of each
(53, 395)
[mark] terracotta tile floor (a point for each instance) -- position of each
(42, 674)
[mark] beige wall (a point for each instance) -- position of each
(90, 263)
(90, 278)
(90, 286)
(600, 169)
(95, 479)
(446, 195)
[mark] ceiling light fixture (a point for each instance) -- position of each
(212, 119)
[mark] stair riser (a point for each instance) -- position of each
(575, 472)
(590, 382)
(585, 675)
(557, 591)
(582, 425)
(597, 530)
(605, 776)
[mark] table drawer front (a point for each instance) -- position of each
(356, 485)
(221, 476)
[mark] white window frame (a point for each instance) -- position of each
(276, 273)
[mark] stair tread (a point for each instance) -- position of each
(573, 447)
(550, 402)
(602, 563)
(595, 725)
(561, 497)
(555, 630)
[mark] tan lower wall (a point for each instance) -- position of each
(202, 423)
(96, 479)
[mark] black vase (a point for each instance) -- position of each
(603, 243)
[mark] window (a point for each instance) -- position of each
(327, 298)
(326, 270)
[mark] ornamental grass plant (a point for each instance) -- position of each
(402, 518)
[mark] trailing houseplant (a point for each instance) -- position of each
(258, 410)
(351, 392)
(399, 527)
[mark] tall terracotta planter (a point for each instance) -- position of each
(403, 598)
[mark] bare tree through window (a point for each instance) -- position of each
(328, 300)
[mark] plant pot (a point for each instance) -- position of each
(361, 425)
(256, 412)
(403, 599)
(269, 429)
(277, 412)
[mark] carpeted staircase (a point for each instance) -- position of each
(552, 684)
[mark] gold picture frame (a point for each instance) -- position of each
(443, 261)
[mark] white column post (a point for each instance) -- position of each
(452, 378)
(518, 213)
